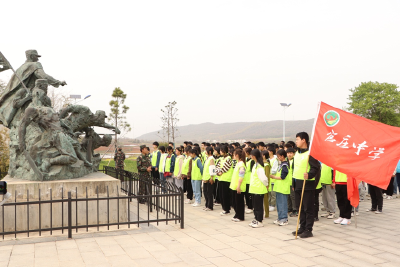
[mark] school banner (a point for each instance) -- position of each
(363, 149)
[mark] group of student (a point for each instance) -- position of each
(257, 178)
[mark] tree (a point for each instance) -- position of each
(58, 99)
(376, 101)
(169, 122)
(4, 147)
(118, 110)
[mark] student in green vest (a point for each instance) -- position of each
(217, 193)
(328, 192)
(273, 162)
(267, 171)
(258, 187)
(291, 198)
(196, 176)
(247, 175)
(283, 180)
(224, 172)
(185, 175)
(238, 185)
(178, 167)
(155, 161)
(161, 167)
(340, 184)
(208, 179)
(169, 165)
(301, 172)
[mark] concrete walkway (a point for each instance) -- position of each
(213, 240)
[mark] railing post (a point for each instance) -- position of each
(69, 215)
(182, 208)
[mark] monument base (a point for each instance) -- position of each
(83, 212)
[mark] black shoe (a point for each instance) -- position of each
(306, 234)
(316, 219)
(293, 214)
(299, 232)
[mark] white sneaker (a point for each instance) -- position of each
(252, 222)
(248, 211)
(257, 225)
(188, 201)
(233, 218)
(196, 204)
(224, 212)
(325, 214)
(283, 223)
(207, 209)
(271, 208)
(217, 204)
(236, 220)
(389, 197)
(276, 222)
(338, 220)
(331, 216)
(346, 222)
(357, 214)
(378, 212)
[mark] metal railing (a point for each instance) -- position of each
(163, 203)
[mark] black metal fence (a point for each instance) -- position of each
(162, 203)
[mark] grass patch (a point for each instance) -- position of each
(130, 164)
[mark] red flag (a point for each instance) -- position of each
(363, 149)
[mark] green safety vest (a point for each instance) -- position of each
(196, 174)
(185, 166)
(326, 174)
(162, 163)
(203, 156)
(168, 163)
(154, 158)
(206, 172)
(340, 177)
(177, 161)
(256, 186)
(235, 178)
(226, 177)
(247, 175)
(300, 165)
(271, 180)
(283, 186)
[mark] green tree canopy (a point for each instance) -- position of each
(376, 101)
(118, 111)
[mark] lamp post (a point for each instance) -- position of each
(285, 106)
(86, 97)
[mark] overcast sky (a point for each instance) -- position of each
(222, 61)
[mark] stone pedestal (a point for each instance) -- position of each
(59, 189)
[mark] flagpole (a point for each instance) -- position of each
(8, 63)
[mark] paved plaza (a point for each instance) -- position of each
(213, 240)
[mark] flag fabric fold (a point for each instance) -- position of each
(363, 149)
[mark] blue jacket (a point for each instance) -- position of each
(398, 167)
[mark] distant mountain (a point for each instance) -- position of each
(237, 131)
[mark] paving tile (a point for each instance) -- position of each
(224, 261)
(265, 257)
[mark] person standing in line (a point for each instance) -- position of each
(155, 160)
(169, 165)
(388, 193)
(328, 192)
(291, 198)
(340, 184)
(178, 167)
(144, 170)
(267, 171)
(273, 162)
(161, 168)
(196, 176)
(247, 175)
(258, 188)
(119, 159)
(376, 199)
(217, 194)
(186, 171)
(224, 171)
(208, 179)
(238, 185)
(301, 172)
(283, 179)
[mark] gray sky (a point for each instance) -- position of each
(222, 61)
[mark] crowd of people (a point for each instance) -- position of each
(257, 178)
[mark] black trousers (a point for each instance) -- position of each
(258, 207)
(249, 198)
(291, 200)
(389, 189)
(225, 195)
(342, 201)
(154, 173)
(216, 193)
(189, 188)
(316, 202)
(376, 197)
(307, 208)
(238, 204)
(208, 189)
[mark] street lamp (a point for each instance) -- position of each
(285, 106)
(86, 97)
